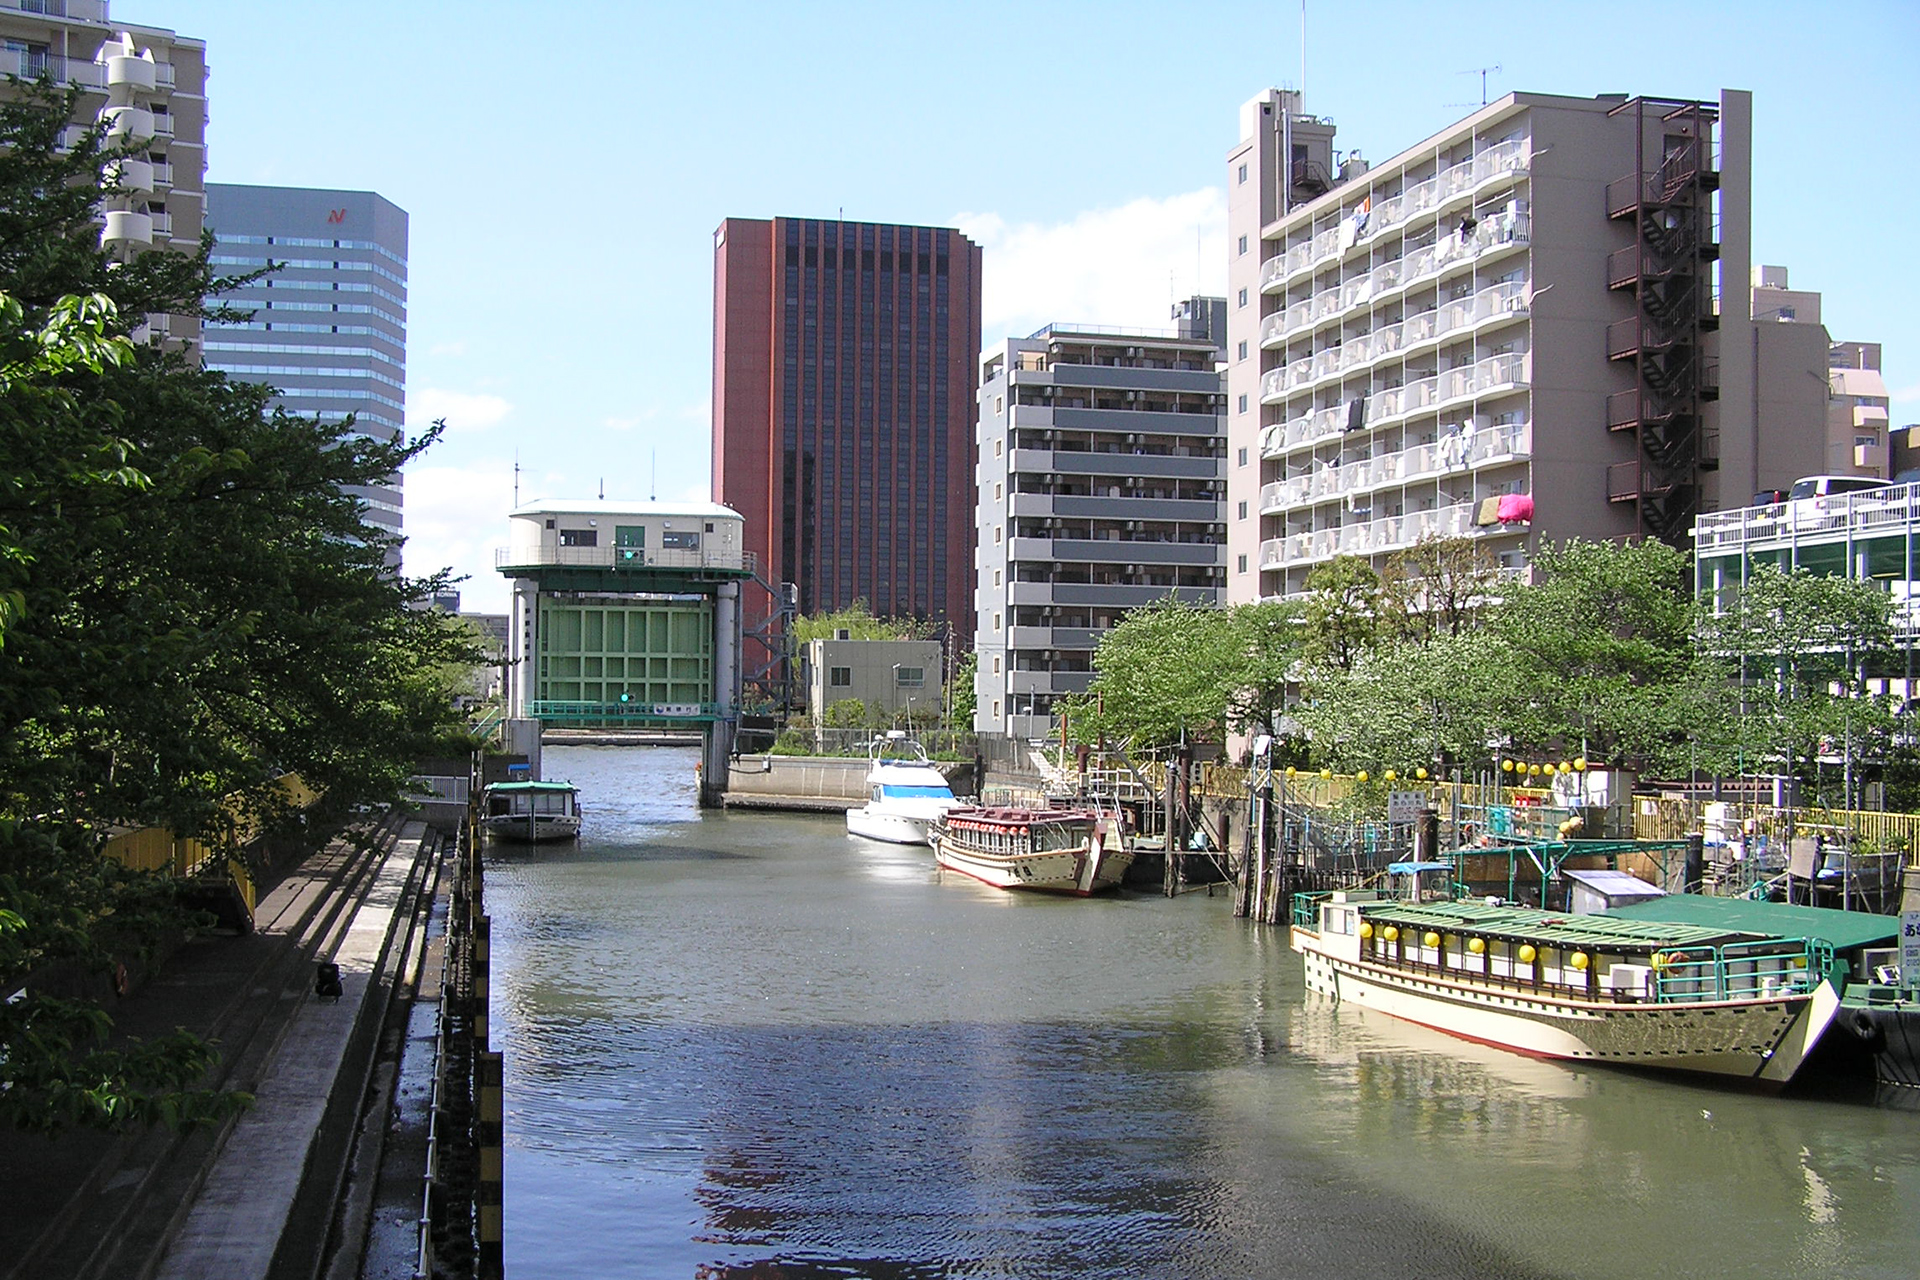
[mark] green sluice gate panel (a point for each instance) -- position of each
(652, 651)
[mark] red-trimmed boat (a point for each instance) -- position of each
(1074, 851)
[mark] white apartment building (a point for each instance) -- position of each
(1512, 330)
(148, 85)
(1100, 488)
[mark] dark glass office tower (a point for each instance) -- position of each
(844, 359)
(329, 330)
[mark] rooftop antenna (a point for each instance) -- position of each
(603, 488)
(1482, 72)
(516, 477)
(1303, 55)
(653, 479)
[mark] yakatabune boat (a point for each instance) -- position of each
(1591, 988)
(1076, 851)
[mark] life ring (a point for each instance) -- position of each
(122, 980)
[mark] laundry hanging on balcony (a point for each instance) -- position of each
(1489, 512)
(1515, 508)
(1356, 413)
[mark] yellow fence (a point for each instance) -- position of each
(158, 849)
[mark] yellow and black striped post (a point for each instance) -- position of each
(489, 1198)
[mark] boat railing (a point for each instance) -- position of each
(1740, 970)
(1306, 908)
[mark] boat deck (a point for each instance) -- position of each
(1528, 924)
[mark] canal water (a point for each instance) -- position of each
(751, 1046)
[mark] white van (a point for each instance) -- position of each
(1826, 486)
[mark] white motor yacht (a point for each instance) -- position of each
(906, 794)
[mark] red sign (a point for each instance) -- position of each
(336, 215)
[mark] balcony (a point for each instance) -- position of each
(135, 177)
(134, 73)
(123, 226)
(1623, 482)
(1496, 375)
(1372, 537)
(124, 123)
(624, 558)
(1455, 453)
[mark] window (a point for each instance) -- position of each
(840, 677)
(996, 671)
(996, 535)
(999, 405)
(1240, 564)
(1242, 349)
(709, 526)
(1243, 174)
(996, 448)
(1241, 460)
(996, 622)
(996, 708)
(1241, 406)
(1241, 511)
(579, 537)
(996, 577)
(1243, 244)
(688, 541)
(912, 677)
(996, 491)
(1243, 297)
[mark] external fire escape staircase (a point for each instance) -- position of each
(1668, 271)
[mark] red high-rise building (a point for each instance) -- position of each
(844, 362)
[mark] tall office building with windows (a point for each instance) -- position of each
(1515, 329)
(843, 368)
(329, 329)
(148, 86)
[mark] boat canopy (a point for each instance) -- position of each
(1555, 928)
(526, 788)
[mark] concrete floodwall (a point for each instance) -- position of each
(827, 783)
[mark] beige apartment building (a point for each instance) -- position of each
(147, 84)
(1512, 330)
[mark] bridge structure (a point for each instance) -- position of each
(627, 616)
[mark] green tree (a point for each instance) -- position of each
(1603, 637)
(1433, 702)
(1166, 670)
(1438, 586)
(1342, 611)
(858, 621)
(194, 606)
(963, 695)
(1796, 644)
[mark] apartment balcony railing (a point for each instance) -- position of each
(1372, 537)
(1494, 375)
(619, 558)
(1391, 279)
(1495, 304)
(1866, 513)
(1455, 453)
(1495, 164)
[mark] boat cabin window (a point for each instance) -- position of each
(1340, 919)
(680, 541)
(897, 790)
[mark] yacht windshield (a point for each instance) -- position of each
(896, 791)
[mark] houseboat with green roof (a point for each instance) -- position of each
(1591, 988)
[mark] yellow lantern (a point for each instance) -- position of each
(1366, 930)
(1420, 774)
(1581, 764)
(1326, 773)
(1527, 954)
(1533, 770)
(1579, 960)
(1430, 939)
(1291, 771)
(1391, 933)
(1389, 775)
(1565, 767)
(1360, 776)
(1477, 945)
(1506, 766)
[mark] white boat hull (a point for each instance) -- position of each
(892, 827)
(1073, 871)
(539, 829)
(1764, 1040)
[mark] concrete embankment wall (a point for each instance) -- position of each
(830, 784)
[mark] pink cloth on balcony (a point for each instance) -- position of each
(1515, 508)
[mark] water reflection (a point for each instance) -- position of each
(747, 1046)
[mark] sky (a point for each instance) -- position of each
(564, 168)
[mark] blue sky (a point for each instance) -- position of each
(564, 168)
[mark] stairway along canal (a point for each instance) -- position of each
(749, 1045)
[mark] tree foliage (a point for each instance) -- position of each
(192, 607)
(858, 621)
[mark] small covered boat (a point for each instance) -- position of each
(1074, 851)
(531, 811)
(906, 794)
(1593, 988)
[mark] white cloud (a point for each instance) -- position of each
(1119, 266)
(455, 517)
(464, 411)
